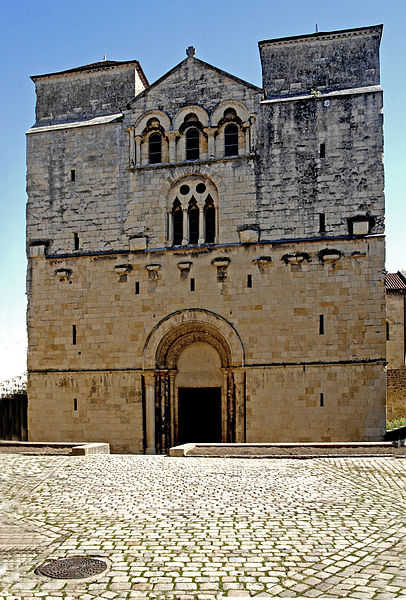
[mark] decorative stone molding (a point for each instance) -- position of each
(221, 263)
(262, 262)
(138, 242)
(122, 269)
(37, 249)
(360, 225)
(184, 266)
(329, 255)
(153, 270)
(296, 259)
(63, 274)
(358, 254)
(249, 235)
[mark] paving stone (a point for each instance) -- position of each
(205, 529)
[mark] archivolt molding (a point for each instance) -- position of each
(239, 108)
(152, 114)
(171, 335)
(192, 171)
(197, 110)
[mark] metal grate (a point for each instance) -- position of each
(75, 567)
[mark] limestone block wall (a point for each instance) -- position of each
(395, 317)
(321, 61)
(103, 90)
(396, 393)
(87, 406)
(320, 157)
(324, 403)
(90, 320)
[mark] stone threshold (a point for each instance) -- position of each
(77, 448)
(290, 450)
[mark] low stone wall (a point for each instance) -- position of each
(396, 393)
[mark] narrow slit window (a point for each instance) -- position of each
(76, 241)
(321, 324)
(387, 331)
(231, 140)
(137, 287)
(155, 148)
(73, 175)
(322, 150)
(322, 222)
(74, 335)
(75, 404)
(321, 399)
(249, 281)
(192, 285)
(192, 144)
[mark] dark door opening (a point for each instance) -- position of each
(199, 415)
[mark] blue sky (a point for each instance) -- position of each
(46, 36)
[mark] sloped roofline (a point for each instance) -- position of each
(320, 34)
(98, 66)
(202, 62)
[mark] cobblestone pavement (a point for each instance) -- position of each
(202, 529)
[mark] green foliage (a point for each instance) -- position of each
(14, 386)
(399, 422)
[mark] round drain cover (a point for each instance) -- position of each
(76, 567)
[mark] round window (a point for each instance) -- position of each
(184, 190)
(200, 188)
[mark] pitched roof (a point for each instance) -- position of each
(101, 64)
(395, 281)
(201, 62)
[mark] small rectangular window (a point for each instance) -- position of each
(75, 404)
(74, 335)
(249, 281)
(323, 150)
(321, 324)
(192, 285)
(322, 222)
(76, 241)
(387, 331)
(137, 287)
(73, 175)
(321, 399)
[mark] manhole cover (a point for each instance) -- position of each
(76, 567)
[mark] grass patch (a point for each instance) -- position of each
(394, 423)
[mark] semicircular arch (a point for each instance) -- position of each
(239, 108)
(151, 114)
(197, 110)
(172, 334)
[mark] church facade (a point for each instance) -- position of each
(206, 257)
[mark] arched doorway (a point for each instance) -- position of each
(194, 381)
(198, 390)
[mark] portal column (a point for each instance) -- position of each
(149, 379)
(239, 390)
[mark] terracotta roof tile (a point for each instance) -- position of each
(394, 281)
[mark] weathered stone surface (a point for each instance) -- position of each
(296, 342)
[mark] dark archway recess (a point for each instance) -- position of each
(199, 415)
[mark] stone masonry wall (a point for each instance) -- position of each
(395, 316)
(277, 320)
(81, 94)
(396, 393)
(321, 62)
(347, 182)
